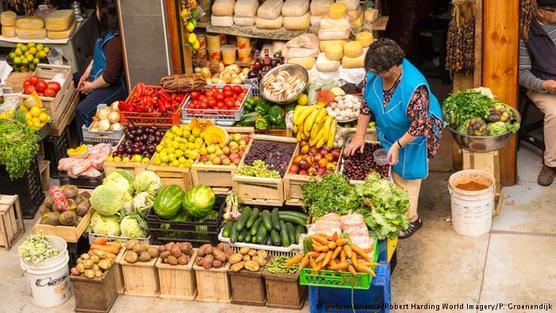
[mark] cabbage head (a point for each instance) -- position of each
(147, 181)
(199, 201)
(105, 225)
(497, 128)
(142, 203)
(107, 200)
(133, 226)
(119, 180)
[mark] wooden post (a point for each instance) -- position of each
(173, 20)
(500, 66)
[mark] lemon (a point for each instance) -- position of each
(117, 159)
(23, 49)
(203, 151)
(178, 153)
(171, 157)
(33, 51)
(184, 13)
(18, 52)
(185, 128)
(31, 44)
(156, 161)
(183, 165)
(35, 120)
(126, 159)
(41, 54)
(35, 111)
(196, 132)
(193, 155)
(19, 45)
(303, 99)
(136, 158)
(158, 148)
(40, 46)
(190, 146)
(46, 49)
(174, 128)
(37, 124)
(110, 159)
(164, 158)
(30, 58)
(192, 38)
(146, 160)
(36, 61)
(17, 60)
(196, 45)
(44, 117)
(169, 136)
(24, 61)
(182, 160)
(12, 55)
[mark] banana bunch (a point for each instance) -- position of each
(312, 123)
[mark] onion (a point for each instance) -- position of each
(114, 117)
(115, 106)
(103, 125)
(116, 127)
(94, 126)
(103, 113)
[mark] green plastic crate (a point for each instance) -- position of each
(334, 279)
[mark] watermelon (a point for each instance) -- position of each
(168, 202)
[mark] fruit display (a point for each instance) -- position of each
(7, 115)
(151, 99)
(224, 154)
(312, 123)
(265, 227)
(176, 253)
(66, 207)
(359, 165)
(345, 108)
(85, 161)
(25, 57)
(100, 259)
(221, 74)
(262, 115)
(180, 147)
(249, 259)
(43, 88)
(188, 15)
(274, 156)
(35, 114)
(282, 86)
(138, 145)
(228, 98)
(213, 257)
(263, 64)
(107, 118)
(313, 161)
(136, 251)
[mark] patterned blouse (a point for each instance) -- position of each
(421, 123)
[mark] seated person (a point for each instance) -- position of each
(103, 80)
(537, 73)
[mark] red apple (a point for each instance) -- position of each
(329, 157)
(323, 151)
(303, 164)
(336, 153)
(294, 169)
(302, 172)
(297, 159)
(323, 163)
(321, 171)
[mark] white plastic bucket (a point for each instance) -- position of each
(48, 282)
(472, 210)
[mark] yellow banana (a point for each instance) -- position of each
(331, 135)
(297, 112)
(305, 113)
(320, 137)
(298, 136)
(314, 130)
(326, 131)
(321, 116)
(309, 123)
(295, 129)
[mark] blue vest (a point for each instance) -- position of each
(99, 56)
(392, 122)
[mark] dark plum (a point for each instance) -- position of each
(276, 155)
(359, 165)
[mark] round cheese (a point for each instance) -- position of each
(337, 11)
(7, 18)
(358, 62)
(353, 49)
(334, 52)
(325, 65)
(326, 43)
(8, 31)
(297, 22)
(365, 38)
(307, 63)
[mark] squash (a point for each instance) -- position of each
(201, 124)
(216, 135)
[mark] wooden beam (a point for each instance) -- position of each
(173, 24)
(500, 66)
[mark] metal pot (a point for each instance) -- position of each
(294, 70)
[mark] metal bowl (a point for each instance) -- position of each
(294, 70)
(483, 143)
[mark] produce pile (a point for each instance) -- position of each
(196, 204)
(476, 112)
(85, 160)
(262, 65)
(278, 265)
(138, 145)
(230, 154)
(313, 161)
(359, 165)
(229, 100)
(151, 99)
(107, 119)
(249, 259)
(18, 147)
(180, 147)
(345, 108)
(25, 57)
(220, 74)
(262, 115)
(136, 251)
(64, 206)
(100, 259)
(267, 159)
(36, 249)
(41, 87)
(312, 123)
(271, 228)
(176, 253)
(213, 257)
(36, 116)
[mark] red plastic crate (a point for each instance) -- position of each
(152, 119)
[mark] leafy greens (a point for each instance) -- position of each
(18, 147)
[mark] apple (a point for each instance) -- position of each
(216, 161)
(336, 153)
(242, 144)
(321, 171)
(203, 157)
(226, 150)
(226, 161)
(317, 157)
(294, 169)
(233, 144)
(246, 138)
(302, 172)
(329, 157)
(236, 161)
(303, 164)
(312, 171)
(323, 152)
(297, 158)
(313, 150)
(233, 155)
(211, 149)
(236, 137)
(331, 166)
(322, 163)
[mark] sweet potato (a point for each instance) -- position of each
(219, 255)
(204, 250)
(207, 261)
(226, 248)
(183, 260)
(217, 264)
(164, 254)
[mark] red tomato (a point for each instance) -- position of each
(41, 85)
(229, 102)
(49, 92)
(195, 95)
(211, 103)
(227, 88)
(33, 79)
(54, 85)
(219, 97)
(228, 93)
(27, 83)
(214, 90)
(28, 89)
(41, 94)
(203, 105)
(237, 89)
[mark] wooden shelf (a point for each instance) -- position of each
(254, 32)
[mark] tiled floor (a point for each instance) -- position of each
(514, 263)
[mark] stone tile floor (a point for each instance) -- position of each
(514, 263)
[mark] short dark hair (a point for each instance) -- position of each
(382, 55)
(108, 16)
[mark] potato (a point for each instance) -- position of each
(246, 258)
(165, 254)
(96, 267)
(75, 271)
(226, 248)
(252, 266)
(207, 261)
(260, 260)
(217, 264)
(130, 257)
(140, 247)
(263, 254)
(85, 256)
(131, 243)
(219, 255)
(95, 258)
(144, 256)
(105, 264)
(183, 260)
(252, 253)
(168, 246)
(235, 258)
(186, 248)
(101, 254)
(176, 251)
(172, 260)
(237, 267)
(80, 268)
(244, 250)
(88, 264)
(98, 274)
(204, 250)
(89, 274)
(161, 248)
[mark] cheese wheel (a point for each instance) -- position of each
(32, 22)
(320, 7)
(324, 44)
(62, 34)
(357, 23)
(222, 21)
(244, 21)
(365, 38)
(332, 24)
(353, 49)
(270, 9)
(246, 8)
(295, 7)
(337, 10)
(307, 63)
(297, 22)
(8, 31)
(353, 14)
(315, 20)
(59, 20)
(327, 34)
(334, 52)
(7, 18)
(351, 5)
(29, 33)
(326, 65)
(370, 15)
(223, 7)
(269, 24)
(358, 62)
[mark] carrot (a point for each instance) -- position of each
(347, 250)
(370, 263)
(313, 254)
(335, 236)
(340, 266)
(106, 248)
(101, 241)
(304, 262)
(294, 260)
(364, 269)
(321, 257)
(332, 245)
(313, 263)
(351, 269)
(342, 256)
(320, 240)
(319, 266)
(315, 247)
(323, 249)
(360, 251)
(341, 241)
(336, 252)
(354, 259)
(327, 258)
(332, 263)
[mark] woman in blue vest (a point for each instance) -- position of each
(103, 80)
(408, 119)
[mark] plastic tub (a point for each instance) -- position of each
(213, 42)
(243, 42)
(215, 55)
(229, 54)
(381, 157)
(244, 55)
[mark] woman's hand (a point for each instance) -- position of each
(357, 143)
(82, 80)
(393, 154)
(86, 87)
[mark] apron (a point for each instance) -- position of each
(99, 57)
(392, 122)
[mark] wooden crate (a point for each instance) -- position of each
(247, 287)
(11, 221)
(141, 278)
(177, 281)
(219, 177)
(170, 175)
(262, 191)
(44, 169)
(97, 294)
(283, 291)
(68, 233)
(58, 127)
(133, 168)
(490, 163)
(212, 285)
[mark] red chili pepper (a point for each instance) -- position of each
(125, 107)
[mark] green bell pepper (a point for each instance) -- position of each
(262, 123)
(251, 103)
(249, 119)
(262, 107)
(275, 115)
(281, 125)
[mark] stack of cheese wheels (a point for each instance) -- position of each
(296, 14)
(319, 9)
(365, 38)
(269, 15)
(7, 19)
(245, 12)
(30, 28)
(222, 13)
(336, 25)
(60, 24)
(354, 55)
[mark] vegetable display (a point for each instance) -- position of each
(100, 258)
(265, 227)
(77, 206)
(213, 257)
(276, 155)
(278, 266)
(176, 253)
(43, 88)
(138, 145)
(140, 252)
(262, 115)
(249, 259)
(107, 119)
(36, 116)
(359, 165)
(149, 99)
(227, 99)
(313, 124)
(180, 147)
(196, 204)
(345, 108)
(36, 249)
(18, 147)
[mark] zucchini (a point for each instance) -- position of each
(275, 237)
(245, 214)
(293, 219)
(266, 220)
(234, 233)
(298, 231)
(261, 233)
(275, 219)
(256, 225)
(242, 235)
(252, 218)
(284, 234)
(254, 238)
(291, 232)
(247, 237)
(227, 229)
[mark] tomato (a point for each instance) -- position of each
(227, 88)
(237, 89)
(228, 93)
(29, 89)
(219, 97)
(41, 85)
(195, 95)
(49, 92)
(54, 85)
(211, 103)
(41, 94)
(33, 79)
(214, 90)
(27, 83)
(229, 102)
(203, 105)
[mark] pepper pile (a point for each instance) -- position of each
(262, 115)
(151, 99)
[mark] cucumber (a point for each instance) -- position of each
(266, 220)
(275, 219)
(227, 229)
(291, 232)
(245, 214)
(261, 233)
(247, 237)
(252, 218)
(254, 238)
(256, 225)
(295, 213)
(284, 237)
(242, 235)
(293, 219)
(275, 237)
(268, 240)
(234, 233)
(298, 231)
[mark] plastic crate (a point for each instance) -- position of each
(55, 148)
(75, 249)
(81, 181)
(92, 237)
(162, 119)
(164, 231)
(111, 137)
(28, 188)
(272, 250)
